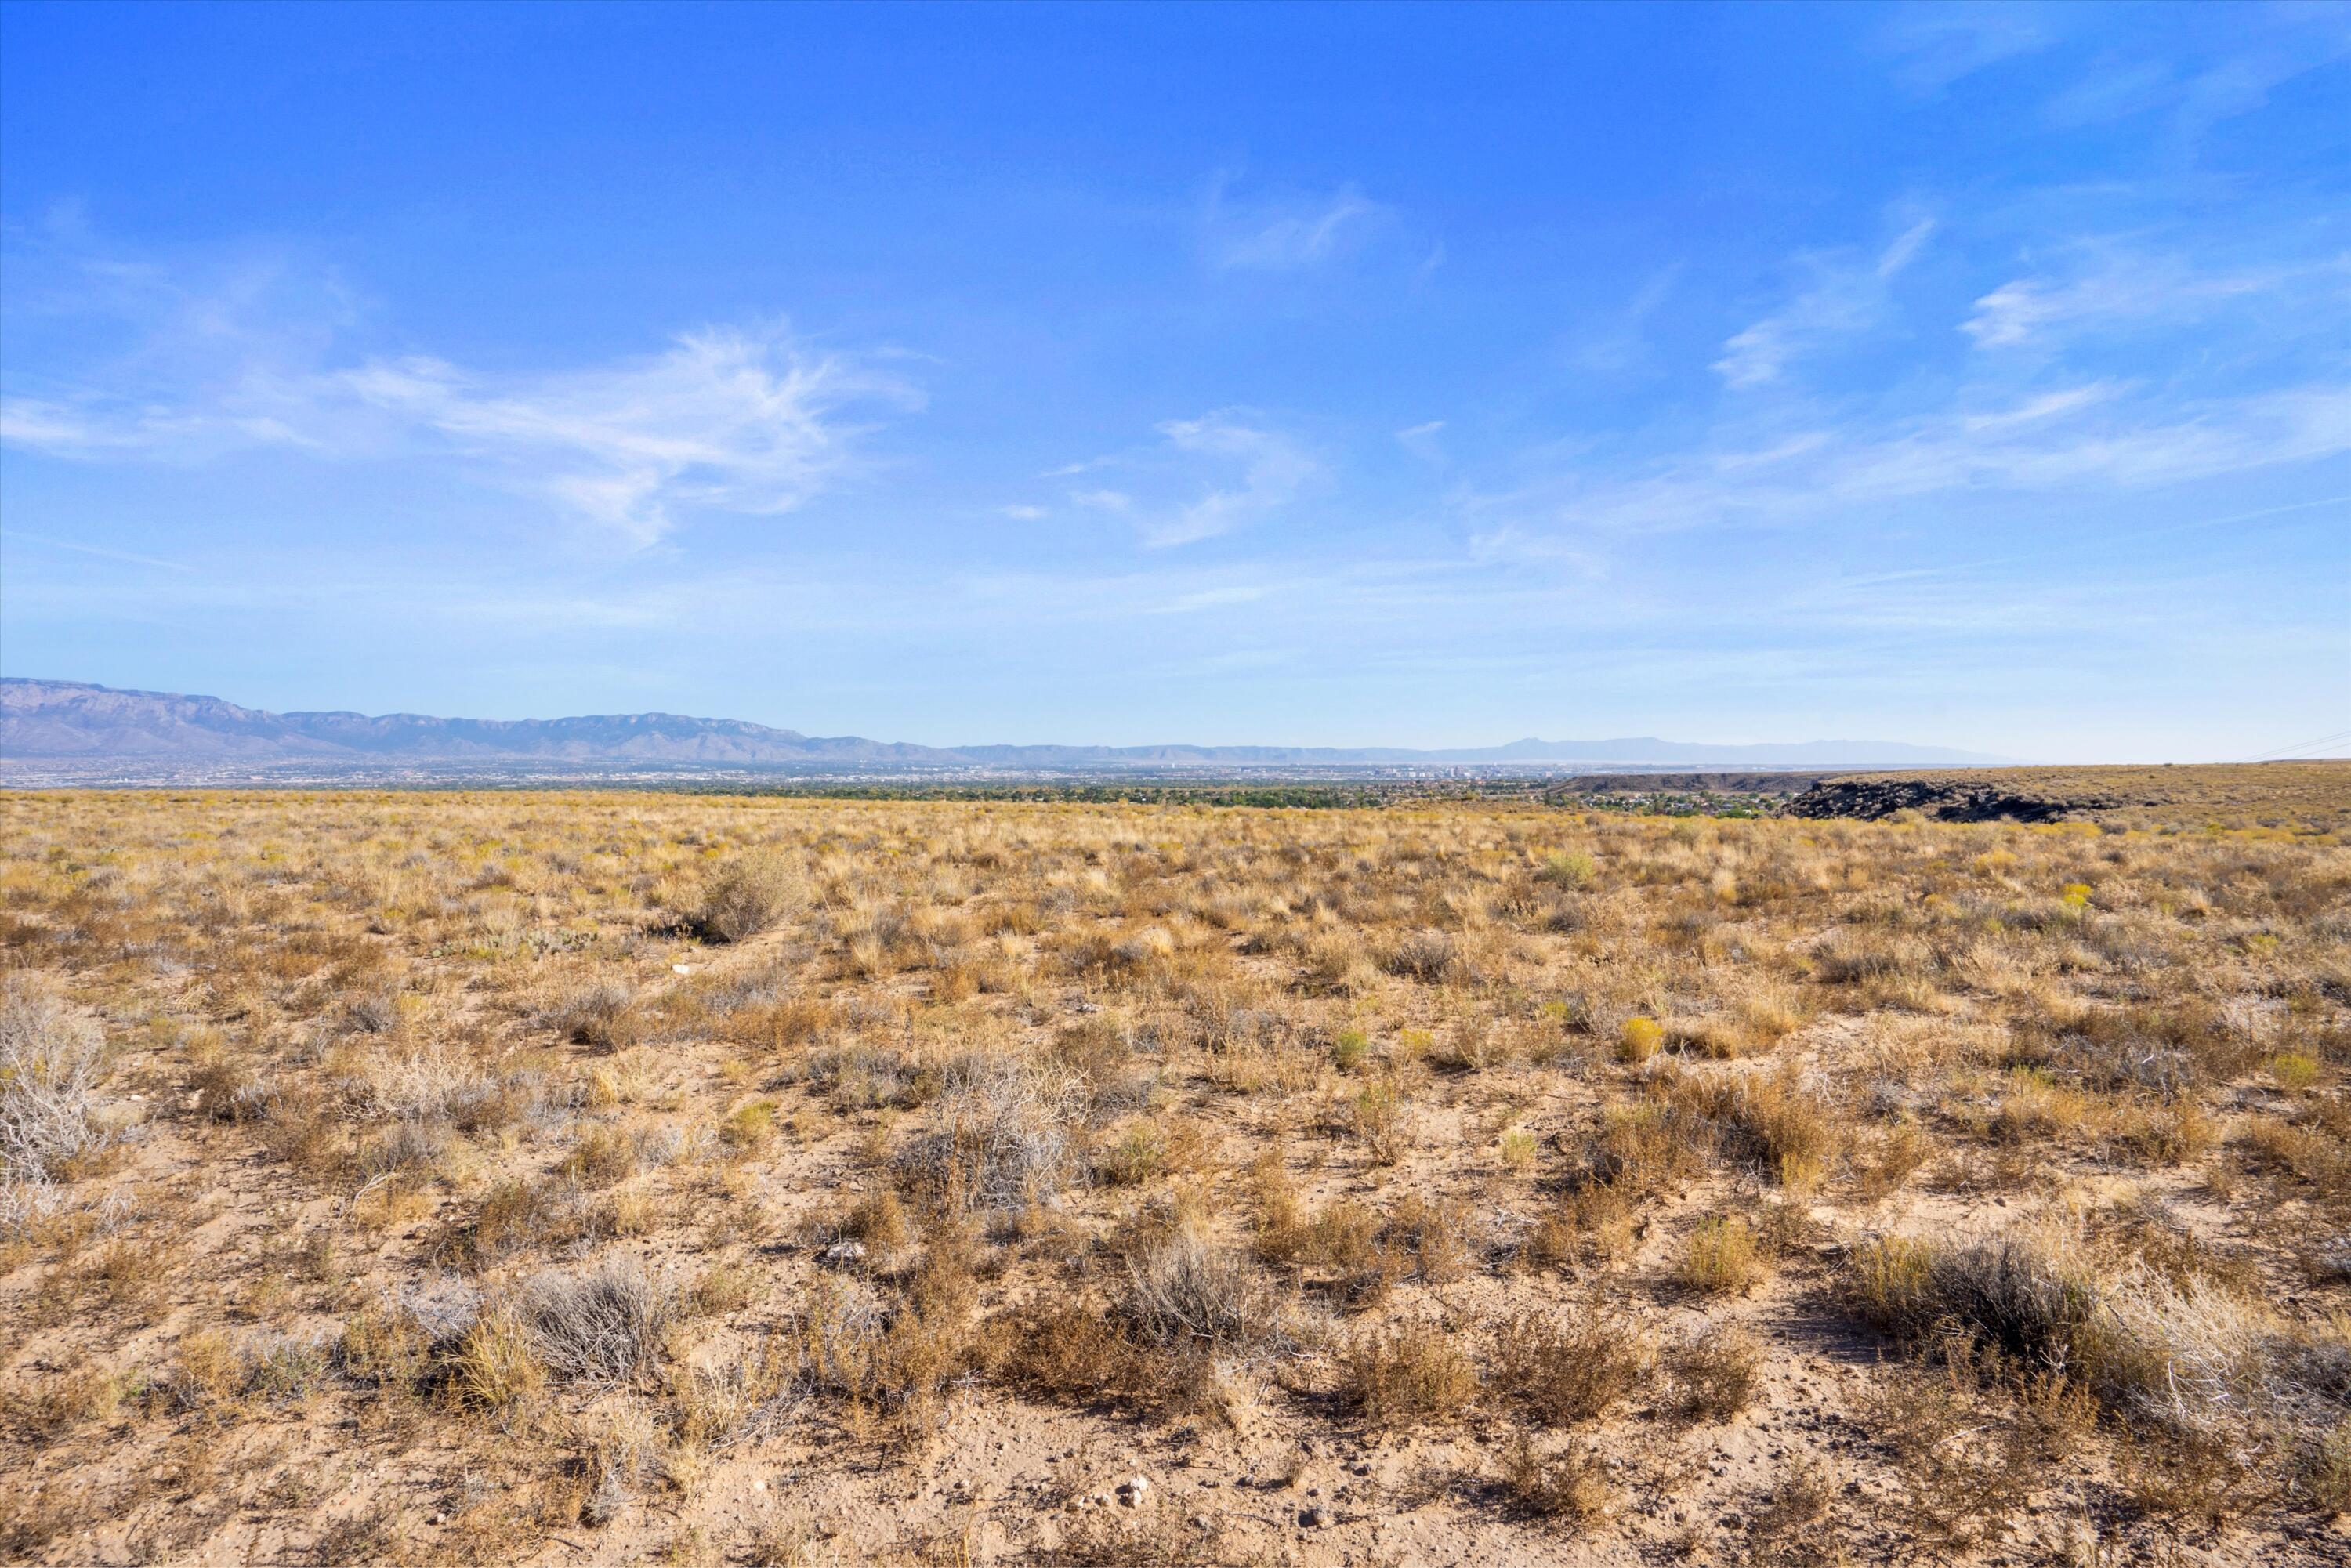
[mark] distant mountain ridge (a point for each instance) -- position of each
(71, 720)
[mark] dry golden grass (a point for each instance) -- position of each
(535, 1177)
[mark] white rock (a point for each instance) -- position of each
(1134, 1491)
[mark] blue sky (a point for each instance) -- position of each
(1978, 377)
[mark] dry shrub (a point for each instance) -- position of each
(893, 1352)
(619, 1451)
(1562, 1372)
(511, 1217)
(1188, 1311)
(1364, 1255)
(1714, 1374)
(496, 1366)
(2188, 1356)
(1183, 1291)
(1064, 1351)
(734, 1401)
(599, 1326)
(862, 1077)
(1567, 869)
(1968, 1453)
(1639, 1039)
(1775, 1124)
(1721, 1257)
(48, 1407)
(1432, 957)
(602, 1016)
(2169, 1050)
(52, 1059)
(1594, 1222)
(1645, 1148)
(2169, 1135)
(753, 893)
(748, 1125)
(1412, 1373)
(1379, 1116)
(1433, 1240)
(778, 1027)
(1881, 1161)
(1141, 1151)
(384, 1348)
(1002, 1136)
(1159, 1538)
(1339, 1235)
(2188, 1475)
(2026, 1293)
(1569, 1487)
(1795, 1525)
(2326, 1471)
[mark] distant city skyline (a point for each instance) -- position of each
(1971, 377)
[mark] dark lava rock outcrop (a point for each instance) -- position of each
(1945, 798)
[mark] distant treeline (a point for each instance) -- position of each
(1354, 796)
(1309, 797)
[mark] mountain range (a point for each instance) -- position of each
(67, 720)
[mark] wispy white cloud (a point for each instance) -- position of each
(18, 535)
(1420, 440)
(739, 420)
(1846, 296)
(2273, 46)
(1621, 342)
(1205, 477)
(1934, 45)
(2088, 437)
(733, 420)
(1263, 470)
(1285, 233)
(2110, 285)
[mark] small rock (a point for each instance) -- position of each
(759, 1486)
(1134, 1491)
(1314, 1518)
(841, 1252)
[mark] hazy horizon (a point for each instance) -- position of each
(1976, 378)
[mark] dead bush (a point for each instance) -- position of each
(1565, 1371)
(52, 1059)
(1570, 1485)
(1713, 1374)
(753, 893)
(601, 1017)
(1412, 1373)
(2189, 1356)
(601, 1324)
(1185, 1291)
